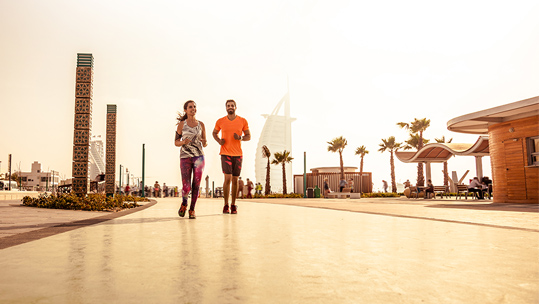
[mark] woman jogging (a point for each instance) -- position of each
(191, 137)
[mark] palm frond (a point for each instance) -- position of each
(266, 152)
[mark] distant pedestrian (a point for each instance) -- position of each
(147, 191)
(428, 189)
(327, 190)
(240, 187)
(165, 190)
(191, 137)
(234, 129)
(351, 185)
(342, 184)
(384, 185)
(156, 189)
(476, 188)
(249, 188)
(407, 184)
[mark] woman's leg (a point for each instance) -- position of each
(198, 169)
(186, 167)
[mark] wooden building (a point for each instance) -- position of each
(513, 131)
(333, 174)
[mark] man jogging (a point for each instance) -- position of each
(234, 129)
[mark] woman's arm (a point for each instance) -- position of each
(203, 137)
(178, 142)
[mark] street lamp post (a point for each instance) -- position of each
(9, 171)
(143, 152)
(120, 182)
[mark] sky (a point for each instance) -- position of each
(352, 68)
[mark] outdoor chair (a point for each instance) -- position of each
(440, 190)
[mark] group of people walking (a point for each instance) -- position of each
(229, 132)
(250, 187)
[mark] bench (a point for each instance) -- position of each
(346, 193)
(355, 195)
(441, 190)
(462, 189)
(338, 195)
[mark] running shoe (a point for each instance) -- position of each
(192, 214)
(182, 210)
(234, 209)
(225, 209)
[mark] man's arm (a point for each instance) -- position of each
(215, 134)
(246, 136)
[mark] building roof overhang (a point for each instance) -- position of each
(479, 122)
(441, 152)
(334, 169)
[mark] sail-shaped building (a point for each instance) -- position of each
(96, 157)
(277, 136)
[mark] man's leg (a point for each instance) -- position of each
(226, 187)
(234, 188)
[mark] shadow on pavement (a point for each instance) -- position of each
(25, 237)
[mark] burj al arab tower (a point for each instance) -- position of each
(277, 136)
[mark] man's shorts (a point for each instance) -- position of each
(231, 164)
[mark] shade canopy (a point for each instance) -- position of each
(441, 152)
(478, 122)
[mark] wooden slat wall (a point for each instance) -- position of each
(513, 182)
(334, 179)
(514, 169)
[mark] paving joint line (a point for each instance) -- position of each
(413, 217)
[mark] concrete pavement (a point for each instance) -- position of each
(277, 250)
(20, 224)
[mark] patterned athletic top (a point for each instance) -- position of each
(194, 147)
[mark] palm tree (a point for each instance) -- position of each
(391, 146)
(337, 145)
(282, 158)
(418, 126)
(361, 151)
(446, 173)
(413, 142)
(267, 154)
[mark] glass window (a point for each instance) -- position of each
(533, 151)
(43, 178)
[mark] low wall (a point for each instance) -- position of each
(16, 195)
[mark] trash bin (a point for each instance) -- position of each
(310, 192)
(316, 192)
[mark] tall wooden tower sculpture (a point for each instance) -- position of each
(83, 123)
(110, 167)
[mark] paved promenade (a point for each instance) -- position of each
(273, 251)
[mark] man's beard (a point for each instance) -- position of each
(230, 111)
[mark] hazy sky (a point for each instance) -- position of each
(354, 69)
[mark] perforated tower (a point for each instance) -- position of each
(83, 122)
(110, 167)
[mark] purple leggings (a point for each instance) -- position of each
(187, 166)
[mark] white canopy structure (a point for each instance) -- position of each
(441, 152)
